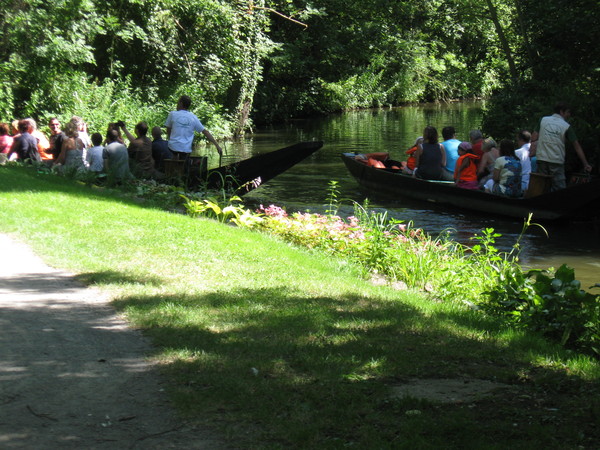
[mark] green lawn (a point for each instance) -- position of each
(279, 347)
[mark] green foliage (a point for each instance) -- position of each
(333, 197)
(356, 54)
(63, 58)
(230, 210)
(551, 303)
(557, 62)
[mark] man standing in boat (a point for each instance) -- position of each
(550, 151)
(181, 126)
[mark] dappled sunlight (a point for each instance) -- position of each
(301, 357)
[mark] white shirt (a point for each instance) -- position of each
(523, 155)
(183, 125)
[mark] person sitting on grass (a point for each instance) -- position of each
(506, 179)
(465, 172)
(42, 141)
(160, 149)
(116, 158)
(24, 145)
(94, 161)
(70, 159)
(140, 151)
(6, 140)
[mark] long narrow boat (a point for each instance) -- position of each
(581, 201)
(248, 174)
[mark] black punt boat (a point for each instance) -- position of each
(248, 174)
(577, 202)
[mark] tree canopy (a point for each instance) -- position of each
(268, 60)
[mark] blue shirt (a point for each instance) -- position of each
(451, 147)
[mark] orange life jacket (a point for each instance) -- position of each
(411, 162)
(470, 172)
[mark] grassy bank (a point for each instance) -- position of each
(279, 347)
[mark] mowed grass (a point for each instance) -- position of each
(279, 347)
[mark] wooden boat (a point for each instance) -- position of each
(248, 174)
(581, 201)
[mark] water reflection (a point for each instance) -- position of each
(306, 186)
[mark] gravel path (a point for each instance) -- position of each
(72, 374)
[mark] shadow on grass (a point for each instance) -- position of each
(302, 371)
(27, 179)
(111, 277)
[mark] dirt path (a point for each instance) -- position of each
(72, 374)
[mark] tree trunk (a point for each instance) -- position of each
(503, 41)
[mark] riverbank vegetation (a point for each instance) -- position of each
(279, 346)
(478, 276)
(246, 62)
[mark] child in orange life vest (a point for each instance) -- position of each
(408, 167)
(465, 172)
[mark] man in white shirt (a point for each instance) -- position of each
(181, 126)
(523, 141)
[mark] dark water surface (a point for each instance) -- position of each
(306, 186)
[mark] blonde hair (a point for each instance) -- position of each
(488, 144)
(72, 130)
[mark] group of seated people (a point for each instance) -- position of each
(73, 149)
(478, 163)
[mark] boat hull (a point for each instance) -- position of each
(246, 175)
(577, 202)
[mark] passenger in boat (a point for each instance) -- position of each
(523, 139)
(485, 166)
(430, 157)
(553, 133)
(532, 150)
(506, 179)
(476, 140)
(409, 166)
(450, 144)
(465, 172)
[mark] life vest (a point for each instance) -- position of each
(411, 162)
(470, 172)
(376, 159)
(551, 143)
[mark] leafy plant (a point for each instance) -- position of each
(230, 211)
(332, 197)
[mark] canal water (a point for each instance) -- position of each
(306, 186)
